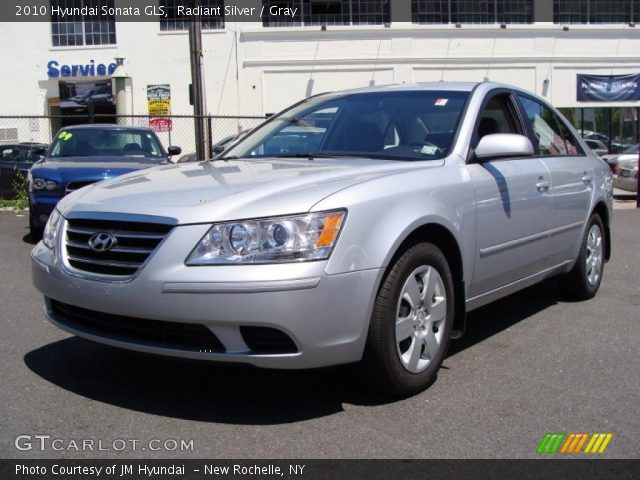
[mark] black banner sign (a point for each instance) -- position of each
(608, 88)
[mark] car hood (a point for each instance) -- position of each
(76, 168)
(224, 190)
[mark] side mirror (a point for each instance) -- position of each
(217, 150)
(174, 151)
(502, 145)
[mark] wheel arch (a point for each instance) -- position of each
(445, 240)
(602, 210)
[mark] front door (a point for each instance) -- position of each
(512, 207)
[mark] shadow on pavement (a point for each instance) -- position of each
(495, 317)
(236, 394)
(195, 390)
(29, 239)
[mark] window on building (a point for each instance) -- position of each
(75, 30)
(596, 11)
(327, 12)
(472, 11)
(172, 21)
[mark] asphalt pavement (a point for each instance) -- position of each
(529, 364)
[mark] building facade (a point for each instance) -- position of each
(256, 69)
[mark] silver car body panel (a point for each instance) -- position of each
(515, 221)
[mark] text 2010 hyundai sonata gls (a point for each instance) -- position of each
(355, 227)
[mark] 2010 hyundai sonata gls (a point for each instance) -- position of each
(354, 228)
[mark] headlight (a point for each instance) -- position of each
(270, 240)
(42, 184)
(51, 229)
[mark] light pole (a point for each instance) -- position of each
(120, 76)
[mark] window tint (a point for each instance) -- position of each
(497, 117)
(553, 137)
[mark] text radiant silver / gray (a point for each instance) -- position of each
(354, 228)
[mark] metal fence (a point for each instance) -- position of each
(178, 130)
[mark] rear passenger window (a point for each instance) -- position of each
(553, 137)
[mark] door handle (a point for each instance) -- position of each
(542, 185)
(587, 178)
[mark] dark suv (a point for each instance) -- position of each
(16, 159)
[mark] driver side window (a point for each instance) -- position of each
(497, 117)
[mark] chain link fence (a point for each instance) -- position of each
(20, 137)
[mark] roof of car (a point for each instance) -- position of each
(107, 126)
(427, 86)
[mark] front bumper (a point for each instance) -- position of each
(326, 316)
(41, 206)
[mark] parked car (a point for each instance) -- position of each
(616, 147)
(411, 206)
(597, 147)
(630, 153)
(85, 154)
(626, 177)
(16, 159)
(97, 95)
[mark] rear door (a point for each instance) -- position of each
(512, 204)
(571, 174)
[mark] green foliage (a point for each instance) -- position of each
(19, 186)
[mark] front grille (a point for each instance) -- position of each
(135, 241)
(158, 333)
(267, 340)
(73, 186)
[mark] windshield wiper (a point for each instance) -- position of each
(312, 155)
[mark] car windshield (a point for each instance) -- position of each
(631, 149)
(99, 142)
(394, 125)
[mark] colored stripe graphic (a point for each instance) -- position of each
(573, 443)
(598, 443)
(550, 442)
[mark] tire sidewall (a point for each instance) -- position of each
(589, 289)
(418, 255)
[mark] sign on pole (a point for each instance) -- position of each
(159, 106)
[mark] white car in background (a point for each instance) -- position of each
(597, 147)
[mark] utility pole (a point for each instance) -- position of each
(638, 180)
(195, 50)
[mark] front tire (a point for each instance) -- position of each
(584, 279)
(35, 231)
(411, 324)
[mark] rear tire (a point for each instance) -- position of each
(34, 231)
(584, 279)
(411, 324)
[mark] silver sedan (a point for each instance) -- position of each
(356, 227)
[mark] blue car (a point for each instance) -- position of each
(85, 154)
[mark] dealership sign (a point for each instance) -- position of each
(91, 69)
(608, 88)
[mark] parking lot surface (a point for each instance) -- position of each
(529, 364)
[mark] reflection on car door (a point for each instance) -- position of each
(571, 177)
(512, 206)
